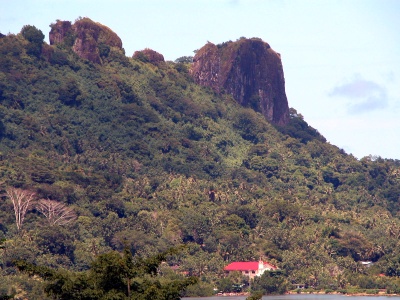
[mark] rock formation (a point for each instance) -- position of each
(250, 71)
(59, 32)
(87, 38)
(149, 55)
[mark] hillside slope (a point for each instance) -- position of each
(148, 159)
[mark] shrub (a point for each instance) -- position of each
(35, 37)
(201, 289)
(69, 92)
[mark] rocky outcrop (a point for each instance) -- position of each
(250, 71)
(149, 55)
(88, 39)
(59, 31)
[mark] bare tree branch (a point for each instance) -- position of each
(22, 201)
(55, 212)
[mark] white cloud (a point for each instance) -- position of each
(363, 95)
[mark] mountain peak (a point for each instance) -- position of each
(250, 71)
(87, 38)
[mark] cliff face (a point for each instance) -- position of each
(250, 71)
(87, 38)
(59, 31)
(149, 55)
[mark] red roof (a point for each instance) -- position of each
(247, 266)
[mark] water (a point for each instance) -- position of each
(300, 297)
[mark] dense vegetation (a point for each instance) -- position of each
(147, 160)
(112, 276)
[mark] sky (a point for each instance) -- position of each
(341, 58)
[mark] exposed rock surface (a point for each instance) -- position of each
(85, 37)
(149, 55)
(59, 32)
(250, 71)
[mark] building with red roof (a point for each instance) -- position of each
(250, 268)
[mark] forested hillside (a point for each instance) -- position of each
(137, 155)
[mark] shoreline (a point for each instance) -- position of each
(232, 294)
(246, 294)
(380, 293)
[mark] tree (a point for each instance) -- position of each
(113, 276)
(56, 240)
(255, 296)
(55, 212)
(184, 60)
(271, 282)
(35, 37)
(392, 266)
(69, 92)
(22, 201)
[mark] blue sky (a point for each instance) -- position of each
(341, 58)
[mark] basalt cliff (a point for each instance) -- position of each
(88, 39)
(250, 71)
(247, 69)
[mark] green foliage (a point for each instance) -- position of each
(233, 283)
(141, 57)
(393, 266)
(249, 126)
(59, 57)
(57, 241)
(149, 160)
(271, 282)
(112, 276)
(184, 60)
(393, 288)
(104, 50)
(299, 129)
(200, 289)
(35, 37)
(255, 296)
(69, 92)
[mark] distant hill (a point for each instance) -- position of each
(151, 154)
